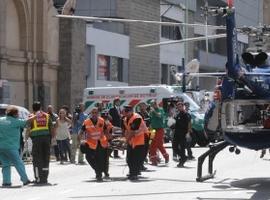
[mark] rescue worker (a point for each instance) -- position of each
(157, 119)
(41, 131)
(95, 144)
(145, 115)
(134, 129)
(181, 130)
(10, 127)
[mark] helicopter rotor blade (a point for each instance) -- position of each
(183, 40)
(107, 19)
(219, 74)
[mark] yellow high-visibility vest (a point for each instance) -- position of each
(41, 123)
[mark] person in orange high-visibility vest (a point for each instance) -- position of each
(95, 143)
(145, 115)
(134, 128)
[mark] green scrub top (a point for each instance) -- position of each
(10, 129)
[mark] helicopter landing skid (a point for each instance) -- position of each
(212, 152)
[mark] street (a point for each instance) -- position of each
(239, 177)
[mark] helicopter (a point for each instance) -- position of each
(244, 89)
(243, 107)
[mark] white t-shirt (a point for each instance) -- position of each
(62, 130)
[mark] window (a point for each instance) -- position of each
(170, 32)
(167, 74)
(116, 68)
(110, 68)
(164, 74)
(103, 67)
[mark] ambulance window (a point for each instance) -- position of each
(152, 90)
(90, 92)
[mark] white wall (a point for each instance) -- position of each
(172, 54)
(106, 43)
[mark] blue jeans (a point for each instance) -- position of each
(8, 157)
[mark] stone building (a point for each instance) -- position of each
(29, 46)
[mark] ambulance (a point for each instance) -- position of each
(134, 95)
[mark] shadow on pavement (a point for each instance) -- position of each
(261, 186)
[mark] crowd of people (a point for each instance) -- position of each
(91, 135)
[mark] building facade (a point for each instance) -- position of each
(113, 58)
(28, 52)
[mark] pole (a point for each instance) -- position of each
(186, 30)
(184, 75)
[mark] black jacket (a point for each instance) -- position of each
(116, 117)
(182, 120)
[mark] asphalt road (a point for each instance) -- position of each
(239, 177)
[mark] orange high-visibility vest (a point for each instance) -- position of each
(94, 133)
(138, 138)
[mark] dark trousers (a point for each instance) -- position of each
(64, 149)
(135, 157)
(179, 146)
(146, 148)
(189, 151)
(56, 152)
(41, 157)
(107, 161)
(97, 159)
